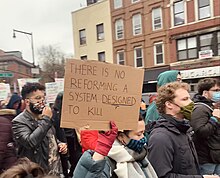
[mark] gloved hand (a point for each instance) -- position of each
(106, 139)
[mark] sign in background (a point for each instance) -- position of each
(97, 92)
(6, 75)
(201, 72)
(23, 81)
(52, 89)
(5, 91)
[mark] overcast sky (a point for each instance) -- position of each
(49, 21)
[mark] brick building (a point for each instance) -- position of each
(195, 39)
(160, 35)
(13, 67)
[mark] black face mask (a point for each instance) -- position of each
(37, 108)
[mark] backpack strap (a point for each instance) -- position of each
(200, 103)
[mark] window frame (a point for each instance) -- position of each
(134, 26)
(119, 31)
(118, 6)
(187, 49)
(82, 39)
(199, 8)
(100, 35)
(182, 12)
(118, 59)
(99, 53)
(135, 56)
(134, 1)
(156, 54)
(153, 19)
(84, 57)
(214, 45)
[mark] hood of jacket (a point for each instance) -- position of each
(201, 99)
(4, 112)
(58, 102)
(167, 77)
(14, 98)
(172, 124)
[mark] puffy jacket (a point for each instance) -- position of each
(88, 168)
(7, 145)
(207, 132)
(31, 137)
(171, 149)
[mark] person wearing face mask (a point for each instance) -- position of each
(33, 131)
(170, 146)
(152, 114)
(117, 155)
(206, 124)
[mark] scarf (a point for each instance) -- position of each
(130, 164)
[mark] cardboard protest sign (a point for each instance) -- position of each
(97, 92)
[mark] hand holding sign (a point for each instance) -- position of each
(106, 139)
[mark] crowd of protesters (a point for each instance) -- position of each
(176, 137)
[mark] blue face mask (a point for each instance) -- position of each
(216, 96)
(137, 145)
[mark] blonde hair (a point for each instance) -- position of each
(167, 93)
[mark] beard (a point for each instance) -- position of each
(37, 108)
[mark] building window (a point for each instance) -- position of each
(101, 56)
(100, 31)
(117, 4)
(204, 9)
(179, 15)
(136, 23)
(156, 19)
(119, 29)
(187, 48)
(82, 37)
(138, 57)
(158, 53)
(206, 42)
(120, 58)
(134, 1)
(83, 57)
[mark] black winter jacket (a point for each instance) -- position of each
(207, 132)
(31, 137)
(171, 150)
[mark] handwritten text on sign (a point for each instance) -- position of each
(96, 92)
